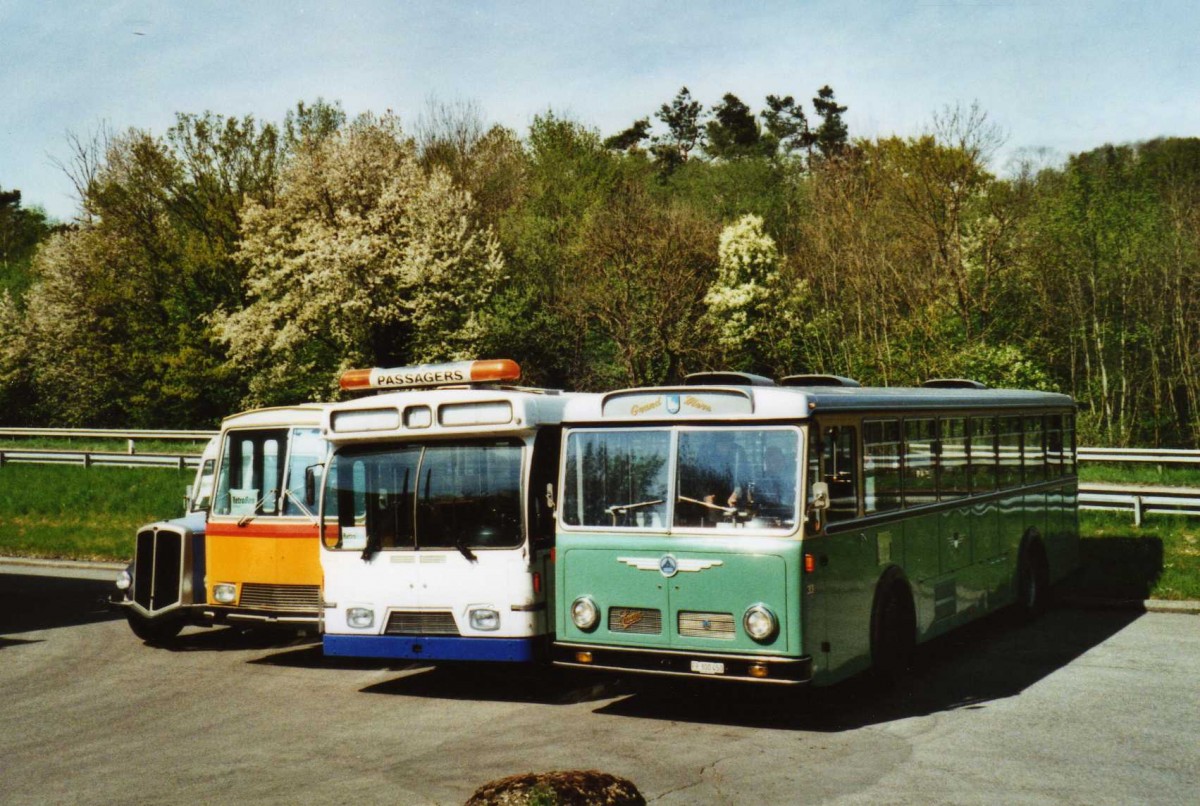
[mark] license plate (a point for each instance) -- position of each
(708, 667)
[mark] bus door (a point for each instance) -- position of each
(849, 551)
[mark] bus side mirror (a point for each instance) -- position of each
(820, 496)
(311, 475)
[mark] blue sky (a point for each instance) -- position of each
(1067, 76)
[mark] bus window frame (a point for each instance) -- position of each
(800, 428)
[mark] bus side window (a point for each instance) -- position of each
(881, 465)
(954, 458)
(841, 466)
(982, 451)
(1010, 452)
(1035, 451)
(920, 461)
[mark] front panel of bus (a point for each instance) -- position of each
(438, 549)
(262, 555)
(679, 551)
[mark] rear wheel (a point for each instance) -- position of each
(154, 631)
(893, 631)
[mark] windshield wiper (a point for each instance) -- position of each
(289, 494)
(253, 513)
(623, 509)
(461, 545)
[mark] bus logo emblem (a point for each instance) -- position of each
(673, 404)
(668, 566)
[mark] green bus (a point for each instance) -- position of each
(803, 531)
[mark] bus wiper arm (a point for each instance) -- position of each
(300, 504)
(461, 545)
(709, 504)
(623, 509)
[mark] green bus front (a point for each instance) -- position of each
(680, 550)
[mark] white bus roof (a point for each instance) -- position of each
(685, 403)
(277, 416)
(445, 412)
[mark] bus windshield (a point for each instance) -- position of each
(462, 495)
(721, 477)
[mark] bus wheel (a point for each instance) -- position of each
(154, 631)
(893, 631)
(1033, 581)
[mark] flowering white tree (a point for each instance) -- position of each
(364, 259)
(752, 307)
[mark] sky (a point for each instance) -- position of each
(1059, 75)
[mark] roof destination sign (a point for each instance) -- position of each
(670, 403)
(423, 376)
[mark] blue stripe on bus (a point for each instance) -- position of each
(430, 648)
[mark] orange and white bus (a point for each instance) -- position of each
(262, 563)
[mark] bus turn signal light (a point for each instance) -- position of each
(810, 563)
(758, 670)
(583, 657)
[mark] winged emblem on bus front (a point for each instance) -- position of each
(655, 564)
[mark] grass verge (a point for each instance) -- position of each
(85, 514)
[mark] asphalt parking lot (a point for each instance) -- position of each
(1084, 706)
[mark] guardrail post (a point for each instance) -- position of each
(131, 449)
(182, 463)
(1, 458)
(1137, 511)
(87, 461)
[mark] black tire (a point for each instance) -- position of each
(1033, 581)
(893, 631)
(154, 631)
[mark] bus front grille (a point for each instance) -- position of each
(158, 569)
(281, 597)
(421, 622)
(706, 625)
(640, 620)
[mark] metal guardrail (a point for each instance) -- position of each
(1141, 500)
(1153, 456)
(101, 458)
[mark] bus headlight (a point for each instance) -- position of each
(584, 613)
(760, 623)
(124, 580)
(484, 619)
(360, 617)
(225, 593)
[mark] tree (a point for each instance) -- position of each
(364, 260)
(684, 130)
(786, 124)
(732, 132)
(630, 138)
(21, 230)
(831, 136)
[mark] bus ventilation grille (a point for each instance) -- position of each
(421, 622)
(706, 625)
(281, 597)
(641, 620)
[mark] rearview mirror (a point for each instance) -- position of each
(820, 496)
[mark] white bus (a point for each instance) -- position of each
(437, 523)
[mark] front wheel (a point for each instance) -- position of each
(154, 631)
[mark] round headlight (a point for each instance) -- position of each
(360, 617)
(760, 623)
(584, 613)
(124, 580)
(484, 618)
(225, 593)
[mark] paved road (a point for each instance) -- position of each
(1084, 706)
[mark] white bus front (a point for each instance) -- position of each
(437, 526)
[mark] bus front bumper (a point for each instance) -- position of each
(431, 648)
(297, 619)
(710, 666)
